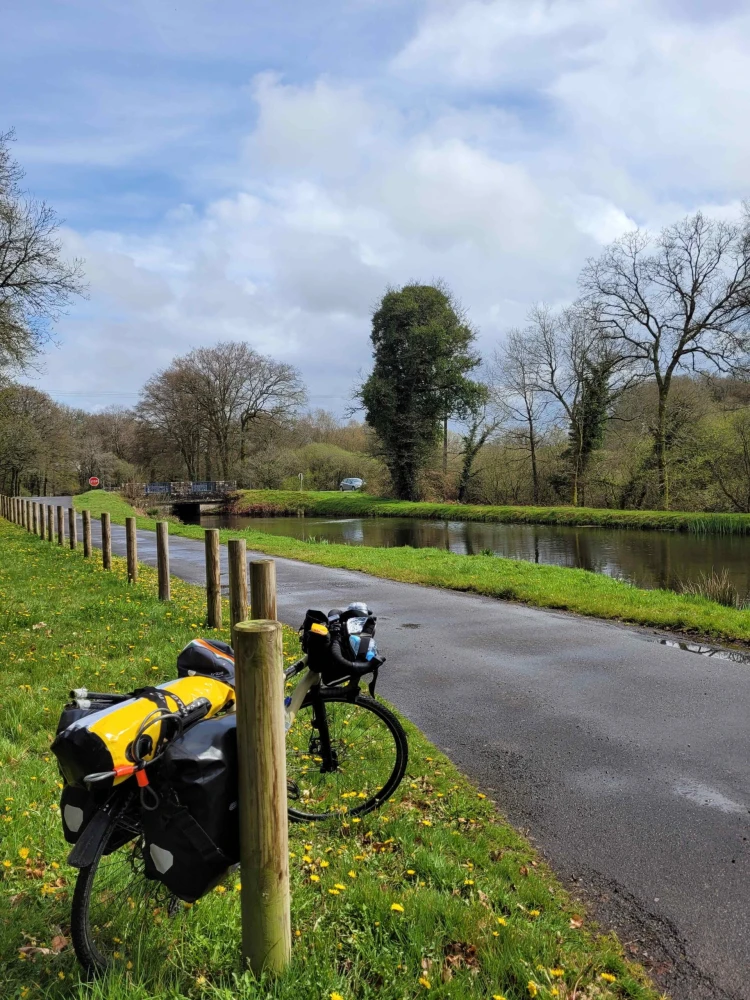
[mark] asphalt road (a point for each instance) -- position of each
(626, 761)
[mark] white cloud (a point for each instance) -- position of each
(504, 144)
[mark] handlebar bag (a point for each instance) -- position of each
(192, 836)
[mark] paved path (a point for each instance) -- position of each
(626, 761)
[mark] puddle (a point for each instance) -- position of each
(704, 795)
(735, 655)
(410, 625)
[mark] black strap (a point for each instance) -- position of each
(159, 697)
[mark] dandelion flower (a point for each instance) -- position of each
(424, 981)
(502, 921)
(336, 996)
(608, 977)
(352, 874)
(315, 878)
(23, 852)
(397, 907)
(534, 913)
(557, 973)
(532, 987)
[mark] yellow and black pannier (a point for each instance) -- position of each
(93, 739)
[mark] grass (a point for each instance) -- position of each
(273, 502)
(576, 590)
(435, 896)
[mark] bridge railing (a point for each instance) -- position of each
(178, 490)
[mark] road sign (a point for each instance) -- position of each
(93, 481)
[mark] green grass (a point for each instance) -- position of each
(482, 916)
(272, 502)
(576, 590)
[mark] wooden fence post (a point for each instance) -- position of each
(213, 579)
(86, 518)
(162, 558)
(131, 545)
(35, 517)
(50, 523)
(72, 527)
(106, 541)
(237, 559)
(263, 589)
(42, 517)
(27, 514)
(60, 525)
(261, 753)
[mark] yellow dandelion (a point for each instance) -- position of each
(532, 987)
(221, 889)
(7, 864)
(336, 996)
(557, 973)
(397, 907)
(469, 881)
(608, 977)
(424, 981)
(502, 921)
(339, 886)
(352, 874)
(315, 878)
(534, 913)
(23, 852)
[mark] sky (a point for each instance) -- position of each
(264, 170)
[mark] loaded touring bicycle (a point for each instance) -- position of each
(149, 801)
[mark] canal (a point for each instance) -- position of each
(645, 558)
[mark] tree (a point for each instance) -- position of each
(679, 300)
(575, 364)
(211, 396)
(422, 348)
(485, 416)
(35, 281)
(515, 378)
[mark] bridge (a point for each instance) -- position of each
(180, 492)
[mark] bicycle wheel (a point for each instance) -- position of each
(343, 757)
(117, 913)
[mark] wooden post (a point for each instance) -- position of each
(42, 516)
(27, 514)
(106, 541)
(86, 518)
(72, 527)
(50, 523)
(237, 558)
(162, 558)
(35, 517)
(261, 754)
(213, 578)
(131, 545)
(263, 589)
(60, 525)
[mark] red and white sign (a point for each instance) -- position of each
(93, 481)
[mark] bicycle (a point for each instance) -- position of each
(346, 755)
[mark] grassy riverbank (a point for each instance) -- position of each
(576, 590)
(435, 896)
(273, 502)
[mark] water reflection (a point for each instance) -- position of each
(645, 558)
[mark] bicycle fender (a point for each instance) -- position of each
(87, 845)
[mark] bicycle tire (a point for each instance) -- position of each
(331, 696)
(86, 935)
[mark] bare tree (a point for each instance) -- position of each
(35, 281)
(211, 396)
(273, 390)
(576, 365)
(514, 375)
(679, 300)
(484, 418)
(167, 404)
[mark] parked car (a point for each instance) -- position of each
(351, 484)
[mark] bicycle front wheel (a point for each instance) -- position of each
(343, 757)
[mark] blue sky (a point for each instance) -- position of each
(262, 171)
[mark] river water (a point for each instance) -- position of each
(645, 558)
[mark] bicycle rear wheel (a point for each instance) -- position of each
(344, 757)
(117, 913)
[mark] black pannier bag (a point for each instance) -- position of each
(341, 644)
(192, 836)
(209, 657)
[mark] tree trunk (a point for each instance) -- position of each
(661, 446)
(445, 445)
(534, 471)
